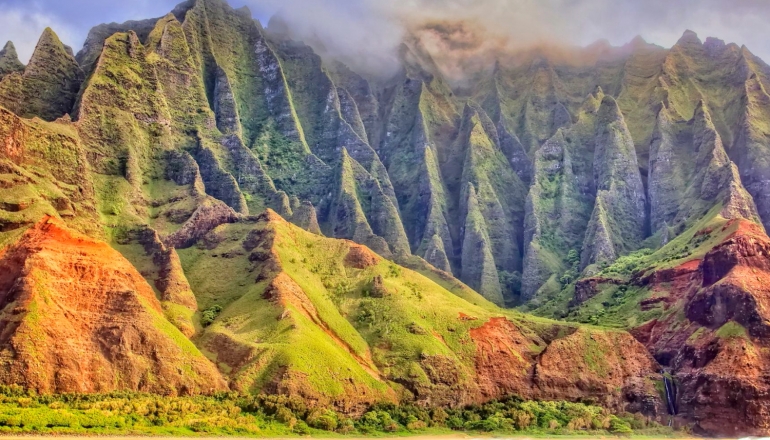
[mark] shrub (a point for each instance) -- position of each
(301, 428)
(284, 415)
(438, 417)
(454, 422)
(619, 426)
(231, 414)
(521, 419)
(415, 424)
(209, 315)
(327, 420)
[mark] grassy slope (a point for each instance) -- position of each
(353, 333)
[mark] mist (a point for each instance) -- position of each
(365, 34)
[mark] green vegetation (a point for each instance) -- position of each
(209, 315)
(628, 265)
(230, 414)
(181, 114)
(573, 262)
(617, 302)
(732, 330)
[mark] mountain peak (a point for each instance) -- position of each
(702, 112)
(9, 49)
(593, 100)
(49, 37)
(714, 42)
(50, 48)
(609, 109)
(51, 81)
(638, 41)
(9, 60)
(688, 38)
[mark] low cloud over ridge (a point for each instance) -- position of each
(366, 33)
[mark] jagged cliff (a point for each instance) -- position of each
(389, 163)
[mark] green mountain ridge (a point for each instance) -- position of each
(408, 192)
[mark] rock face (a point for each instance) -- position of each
(690, 172)
(617, 223)
(583, 363)
(62, 290)
(738, 86)
(587, 196)
(49, 84)
(716, 350)
(62, 185)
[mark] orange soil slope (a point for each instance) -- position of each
(75, 316)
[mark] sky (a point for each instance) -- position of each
(369, 30)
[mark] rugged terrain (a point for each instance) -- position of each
(267, 220)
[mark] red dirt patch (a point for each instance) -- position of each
(503, 359)
(360, 257)
(463, 317)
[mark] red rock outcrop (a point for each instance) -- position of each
(607, 368)
(77, 317)
(719, 350)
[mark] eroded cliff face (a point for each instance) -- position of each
(78, 317)
(715, 339)
(609, 368)
(587, 197)
(389, 163)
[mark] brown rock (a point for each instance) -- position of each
(210, 214)
(722, 384)
(608, 368)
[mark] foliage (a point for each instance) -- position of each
(209, 315)
(230, 414)
(732, 330)
(573, 259)
(630, 264)
(510, 282)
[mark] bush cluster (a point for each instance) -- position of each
(230, 414)
(508, 415)
(629, 264)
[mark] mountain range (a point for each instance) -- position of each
(196, 203)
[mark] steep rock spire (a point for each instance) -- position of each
(50, 83)
(9, 60)
(690, 173)
(478, 264)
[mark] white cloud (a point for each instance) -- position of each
(366, 32)
(369, 29)
(24, 28)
